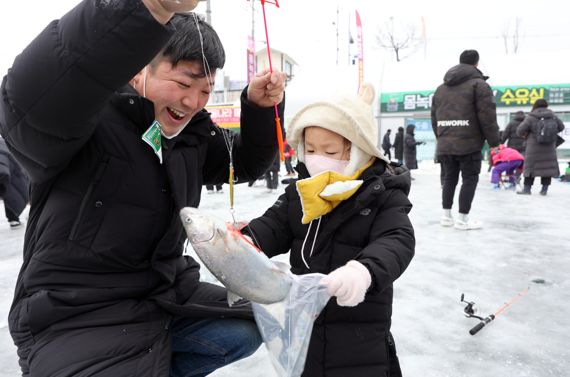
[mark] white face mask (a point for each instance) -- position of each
(317, 164)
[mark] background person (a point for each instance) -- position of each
(386, 144)
(14, 186)
(399, 145)
(540, 157)
(509, 136)
(463, 116)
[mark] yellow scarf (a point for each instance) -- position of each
(325, 191)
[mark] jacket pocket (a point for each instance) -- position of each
(86, 198)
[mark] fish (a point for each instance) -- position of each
(239, 265)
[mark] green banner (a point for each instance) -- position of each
(506, 96)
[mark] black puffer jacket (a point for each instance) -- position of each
(103, 270)
(410, 148)
(399, 145)
(14, 183)
(463, 113)
(372, 227)
(510, 134)
(540, 160)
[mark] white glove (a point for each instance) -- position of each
(348, 283)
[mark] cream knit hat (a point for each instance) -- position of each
(350, 117)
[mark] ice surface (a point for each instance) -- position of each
(523, 239)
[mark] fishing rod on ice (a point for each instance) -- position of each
(471, 309)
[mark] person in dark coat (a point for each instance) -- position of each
(510, 137)
(14, 186)
(289, 153)
(463, 116)
(540, 159)
(399, 145)
(272, 175)
(362, 239)
(410, 148)
(111, 129)
(386, 144)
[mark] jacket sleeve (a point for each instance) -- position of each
(524, 128)
(58, 84)
(507, 132)
(560, 125)
(253, 149)
(271, 232)
(433, 116)
(392, 244)
(487, 113)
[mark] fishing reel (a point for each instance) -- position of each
(470, 309)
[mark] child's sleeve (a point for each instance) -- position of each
(392, 242)
(271, 232)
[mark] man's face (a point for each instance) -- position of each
(178, 92)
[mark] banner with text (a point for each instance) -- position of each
(505, 96)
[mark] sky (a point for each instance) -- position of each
(307, 31)
(523, 239)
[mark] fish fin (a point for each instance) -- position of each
(233, 298)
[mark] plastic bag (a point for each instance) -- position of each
(286, 326)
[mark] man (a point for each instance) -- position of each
(386, 145)
(463, 116)
(399, 145)
(510, 133)
(14, 187)
(104, 288)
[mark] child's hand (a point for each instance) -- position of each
(348, 283)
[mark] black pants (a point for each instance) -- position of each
(288, 165)
(272, 179)
(388, 153)
(545, 181)
(10, 215)
(211, 187)
(470, 166)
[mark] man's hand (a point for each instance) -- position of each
(163, 10)
(266, 88)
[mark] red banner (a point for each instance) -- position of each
(360, 50)
(250, 58)
(225, 116)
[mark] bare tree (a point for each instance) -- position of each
(516, 34)
(398, 38)
(512, 35)
(505, 36)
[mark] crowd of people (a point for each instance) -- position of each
(464, 120)
(137, 146)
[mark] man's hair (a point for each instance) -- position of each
(470, 57)
(185, 43)
(541, 102)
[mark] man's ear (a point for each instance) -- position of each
(137, 81)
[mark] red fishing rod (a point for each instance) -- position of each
(471, 309)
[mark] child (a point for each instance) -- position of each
(346, 216)
(505, 160)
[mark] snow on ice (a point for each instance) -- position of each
(523, 239)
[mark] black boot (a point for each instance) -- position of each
(525, 191)
(544, 190)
